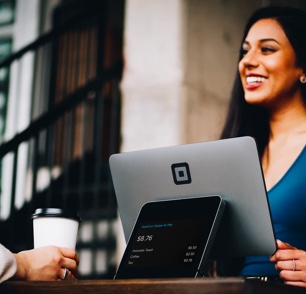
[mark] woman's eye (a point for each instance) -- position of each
(267, 49)
(244, 51)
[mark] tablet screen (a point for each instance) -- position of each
(167, 243)
(170, 238)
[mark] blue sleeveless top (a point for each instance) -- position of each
(287, 201)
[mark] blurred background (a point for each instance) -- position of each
(83, 79)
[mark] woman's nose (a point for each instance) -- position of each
(250, 59)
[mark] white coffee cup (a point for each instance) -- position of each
(55, 226)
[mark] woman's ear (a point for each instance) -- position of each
(303, 78)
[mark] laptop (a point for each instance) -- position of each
(229, 168)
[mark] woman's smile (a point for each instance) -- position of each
(254, 81)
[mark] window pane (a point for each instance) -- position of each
(5, 50)
(7, 12)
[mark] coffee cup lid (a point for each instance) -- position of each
(56, 212)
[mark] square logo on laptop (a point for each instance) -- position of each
(181, 173)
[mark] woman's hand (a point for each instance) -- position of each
(47, 263)
(291, 263)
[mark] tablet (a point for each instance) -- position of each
(172, 238)
(230, 168)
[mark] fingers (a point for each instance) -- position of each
(66, 275)
(71, 265)
(290, 276)
(283, 255)
(290, 272)
(70, 253)
(283, 245)
(289, 265)
(289, 255)
(61, 258)
(295, 283)
(285, 252)
(47, 263)
(70, 261)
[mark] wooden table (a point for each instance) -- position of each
(202, 285)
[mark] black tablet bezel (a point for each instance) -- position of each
(207, 209)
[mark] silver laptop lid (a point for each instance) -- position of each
(229, 168)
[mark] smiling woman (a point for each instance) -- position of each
(269, 103)
(268, 68)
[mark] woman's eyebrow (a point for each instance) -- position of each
(262, 41)
(267, 40)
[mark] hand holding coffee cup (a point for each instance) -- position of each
(58, 227)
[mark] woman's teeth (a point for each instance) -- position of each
(251, 80)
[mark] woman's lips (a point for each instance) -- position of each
(254, 82)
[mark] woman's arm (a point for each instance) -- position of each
(8, 264)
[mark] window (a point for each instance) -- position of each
(7, 12)
(5, 50)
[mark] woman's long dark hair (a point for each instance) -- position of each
(244, 119)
